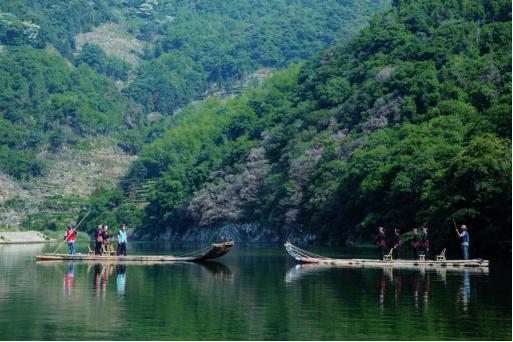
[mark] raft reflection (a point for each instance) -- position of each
(413, 285)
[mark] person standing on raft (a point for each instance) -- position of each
(106, 238)
(425, 242)
(380, 241)
(415, 244)
(98, 240)
(396, 244)
(122, 240)
(464, 240)
(70, 238)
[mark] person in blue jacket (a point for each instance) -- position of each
(464, 240)
(122, 240)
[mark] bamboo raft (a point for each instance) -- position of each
(214, 251)
(307, 257)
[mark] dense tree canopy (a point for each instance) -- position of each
(46, 103)
(200, 45)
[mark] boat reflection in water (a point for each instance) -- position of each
(69, 278)
(102, 273)
(421, 280)
(218, 270)
(295, 273)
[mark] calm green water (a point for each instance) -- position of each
(254, 292)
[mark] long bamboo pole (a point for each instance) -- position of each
(60, 245)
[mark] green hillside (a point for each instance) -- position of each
(197, 46)
(77, 75)
(46, 104)
(46, 101)
(407, 124)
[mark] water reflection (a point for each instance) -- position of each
(464, 291)
(418, 286)
(101, 277)
(69, 278)
(121, 279)
(250, 295)
(381, 287)
(103, 272)
(442, 275)
(426, 288)
(397, 285)
(218, 270)
(298, 271)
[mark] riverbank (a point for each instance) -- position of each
(24, 237)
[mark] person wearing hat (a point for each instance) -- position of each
(464, 240)
(70, 238)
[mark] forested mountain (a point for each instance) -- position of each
(63, 86)
(406, 124)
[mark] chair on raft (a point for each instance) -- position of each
(388, 257)
(112, 250)
(90, 251)
(441, 256)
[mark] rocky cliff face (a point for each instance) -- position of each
(248, 232)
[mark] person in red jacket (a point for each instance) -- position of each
(70, 238)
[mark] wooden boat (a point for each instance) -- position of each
(307, 257)
(214, 251)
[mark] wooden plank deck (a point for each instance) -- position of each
(450, 264)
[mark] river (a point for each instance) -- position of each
(254, 292)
